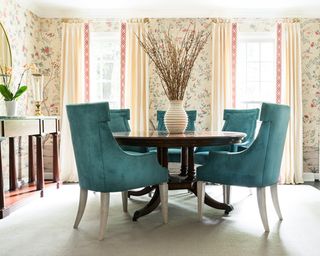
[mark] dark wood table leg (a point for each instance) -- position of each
(56, 171)
(31, 173)
(148, 189)
(191, 171)
(12, 166)
(2, 197)
(184, 159)
(164, 157)
(155, 200)
(153, 204)
(40, 170)
(140, 192)
(208, 200)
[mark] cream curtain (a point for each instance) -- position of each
(72, 91)
(292, 164)
(221, 89)
(136, 85)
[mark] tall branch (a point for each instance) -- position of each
(174, 61)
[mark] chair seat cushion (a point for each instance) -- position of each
(201, 157)
(134, 148)
(174, 154)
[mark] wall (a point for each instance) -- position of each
(33, 40)
(310, 37)
(39, 40)
(198, 92)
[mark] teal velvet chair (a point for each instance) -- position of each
(104, 167)
(237, 120)
(119, 122)
(177, 154)
(258, 166)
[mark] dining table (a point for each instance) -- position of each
(189, 140)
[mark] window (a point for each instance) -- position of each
(105, 67)
(256, 69)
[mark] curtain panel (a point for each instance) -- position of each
(136, 79)
(221, 87)
(292, 164)
(72, 91)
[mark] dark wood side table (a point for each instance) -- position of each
(189, 140)
(34, 126)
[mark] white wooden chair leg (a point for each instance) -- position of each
(261, 196)
(104, 209)
(200, 194)
(275, 200)
(81, 207)
(163, 188)
(226, 193)
(125, 201)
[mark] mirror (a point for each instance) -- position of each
(5, 50)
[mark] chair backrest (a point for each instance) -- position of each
(241, 120)
(119, 120)
(192, 116)
(96, 152)
(237, 120)
(272, 135)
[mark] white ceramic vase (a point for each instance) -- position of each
(176, 118)
(11, 107)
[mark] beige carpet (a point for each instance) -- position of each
(44, 227)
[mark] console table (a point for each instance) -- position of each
(33, 126)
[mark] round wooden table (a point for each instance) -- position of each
(187, 141)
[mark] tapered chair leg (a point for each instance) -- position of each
(226, 193)
(275, 200)
(81, 207)
(164, 201)
(125, 201)
(200, 194)
(104, 210)
(261, 196)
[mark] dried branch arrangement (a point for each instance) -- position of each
(174, 61)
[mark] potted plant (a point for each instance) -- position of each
(7, 89)
(174, 62)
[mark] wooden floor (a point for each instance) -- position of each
(23, 195)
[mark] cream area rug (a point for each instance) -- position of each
(44, 226)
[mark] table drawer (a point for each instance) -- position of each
(49, 125)
(13, 128)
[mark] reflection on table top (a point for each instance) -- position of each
(187, 139)
(27, 117)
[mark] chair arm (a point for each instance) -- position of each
(122, 171)
(236, 168)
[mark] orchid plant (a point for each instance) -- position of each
(7, 90)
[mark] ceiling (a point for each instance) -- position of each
(172, 8)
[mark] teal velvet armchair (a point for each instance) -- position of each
(119, 122)
(236, 120)
(258, 166)
(104, 167)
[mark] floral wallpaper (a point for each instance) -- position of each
(21, 27)
(32, 40)
(197, 95)
(38, 40)
(310, 41)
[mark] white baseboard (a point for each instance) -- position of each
(309, 176)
